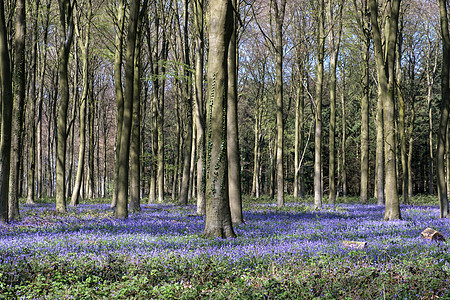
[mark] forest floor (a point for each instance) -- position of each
(160, 253)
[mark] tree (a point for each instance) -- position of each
(18, 109)
(385, 61)
(84, 45)
(318, 106)
(187, 104)
(233, 155)
(279, 20)
(118, 90)
(6, 117)
(66, 37)
(135, 161)
(124, 153)
(445, 95)
(364, 24)
(334, 42)
(218, 217)
(31, 186)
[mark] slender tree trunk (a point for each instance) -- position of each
(199, 105)
(135, 162)
(364, 193)
(402, 122)
(279, 20)
(445, 95)
(318, 109)
(344, 141)
(6, 117)
(31, 185)
(334, 40)
(218, 216)
(233, 154)
(66, 37)
(91, 158)
(187, 103)
(119, 92)
(82, 138)
(256, 178)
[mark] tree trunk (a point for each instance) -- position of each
(218, 217)
(364, 193)
(135, 150)
(318, 109)
(445, 95)
(124, 153)
(82, 139)
(31, 185)
(6, 117)
(402, 122)
(119, 92)
(199, 105)
(385, 59)
(279, 19)
(66, 37)
(233, 154)
(18, 109)
(344, 141)
(334, 40)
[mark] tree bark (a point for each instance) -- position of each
(318, 108)
(187, 103)
(119, 92)
(124, 153)
(385, 61)
(6, 117)
(334, 40)
(279, 20)
(445, 95)
(66, 37)
(218, 217)
(233, 154)
(200, 106)
(135, 150)
(82, 130)
(18, 109)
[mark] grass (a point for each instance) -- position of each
(160, 253)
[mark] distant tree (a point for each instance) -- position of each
(335, 20)
(218, 217)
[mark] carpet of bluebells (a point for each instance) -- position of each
(160, 253)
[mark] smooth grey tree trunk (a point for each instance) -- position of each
(218, 217)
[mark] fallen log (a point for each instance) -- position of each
(433, 235)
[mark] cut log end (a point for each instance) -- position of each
(354, 244)
(433, 235)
